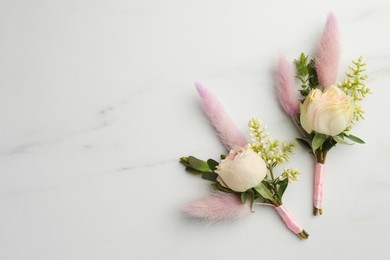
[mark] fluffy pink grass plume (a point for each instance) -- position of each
(218, 206)
(327, 54)
(227, 131)
(287, 94)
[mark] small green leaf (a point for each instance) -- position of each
(318, 140)
(264, 192)
(355, 139)
(267, 182)
(328, 144)
(224, 189)
(193, 171)
(198, 165)
(304, 143)
(212, 164)
(304, 92)
(243, 197)
(303, 58)
(301, 65)
(340, 140)
(184, 161)
(282, 187)
(210, 176)
(253, 197)
(313, 79)
(223, 157)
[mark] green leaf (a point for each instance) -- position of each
(273, 165)
(355, 139)
(268, 183)
(328, 144)
(223, 157)
(243, 197)
(184, 161)
(214, 186)
(313, 79)
(282, 187)
(318, 140)
(212, 164)
(264, 192)
(304, 92)
(340, 140)
(198, 165)
(303, 58)
(253, 197)
(218, 186)
(301, 65)
(304, 143)
(210, 176)
(191, 170)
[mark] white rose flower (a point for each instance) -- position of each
(241, 170)
(328, 112)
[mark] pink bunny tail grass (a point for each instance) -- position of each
(328, 53)
(218, 206)
(287, 94)
(227, 131)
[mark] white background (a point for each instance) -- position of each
(97, 104)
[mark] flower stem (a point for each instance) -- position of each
(317, 211)
(303, 235)
(320, 156)
(272, 174)
(275, 189)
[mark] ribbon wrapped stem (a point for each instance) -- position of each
(318, 189)
(291, 223)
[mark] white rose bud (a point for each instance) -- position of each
(329, 112)
(241, 170)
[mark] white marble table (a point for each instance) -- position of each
(97, 104)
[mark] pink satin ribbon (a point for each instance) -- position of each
(289, 220)
(318, 185)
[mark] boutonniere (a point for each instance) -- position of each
(326, 110)
(246, 176)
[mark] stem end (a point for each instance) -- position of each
(317, 211)
(303, 235)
